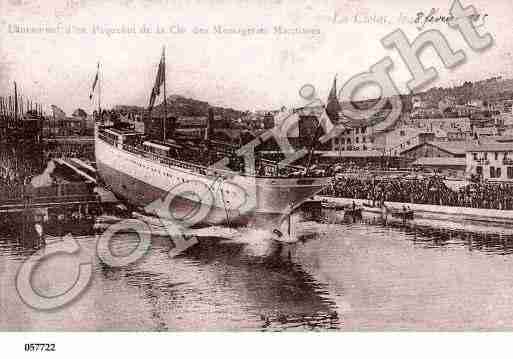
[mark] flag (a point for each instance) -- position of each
(333, 106)
(95, 81)
(159, 81)
(58, 113)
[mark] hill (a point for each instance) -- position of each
(181, 106)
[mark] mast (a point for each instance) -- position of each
(165, 97)
(15, 102)
(99, 94)
(9, 111)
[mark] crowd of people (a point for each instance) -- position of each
(431, 190)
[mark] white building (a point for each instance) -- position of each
(491, 161)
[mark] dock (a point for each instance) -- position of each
(48, 202)
(433, 212)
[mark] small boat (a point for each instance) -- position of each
(355, 212)
(370, 205)
(404, 215)
(332, 205)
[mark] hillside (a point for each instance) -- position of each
(181, 106)
(492, 89)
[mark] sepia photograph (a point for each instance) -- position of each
(255, 166)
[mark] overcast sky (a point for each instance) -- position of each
(256, 71)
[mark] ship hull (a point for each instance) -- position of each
(234, 200)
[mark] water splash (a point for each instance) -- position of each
(256, 242)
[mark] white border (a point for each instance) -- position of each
(322, 345)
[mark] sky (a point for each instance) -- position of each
(239, 70)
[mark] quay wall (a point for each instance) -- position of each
(434, 211)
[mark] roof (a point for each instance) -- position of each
(485, 130)
(504, 138)
(491, 147)
(353, 122)
(362, 154)
(380, 121)
(440, 161)
(191, 121)
(454, 147)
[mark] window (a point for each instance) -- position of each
(364, 129)
(486, 155)
(356, 140)
(510, 172)
(402, 133)
(475, 156)
(498, 172)
(479, 170)
(492, 172)
(496, 156)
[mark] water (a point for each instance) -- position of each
(349, 276)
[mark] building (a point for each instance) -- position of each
(451, 124)
(437, 149)
(482, 132)
(446, 166)
(491, 161)
(363, 135)
(355, 136)
(397, 140)
(441, 157)
(302, 126)
(372, 158)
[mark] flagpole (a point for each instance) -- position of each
(165, 97)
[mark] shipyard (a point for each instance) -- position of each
(445, 170)
(161, 183)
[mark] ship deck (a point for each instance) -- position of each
(185, 154)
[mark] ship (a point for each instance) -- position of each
(183, 181)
